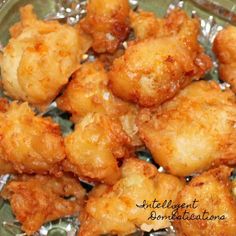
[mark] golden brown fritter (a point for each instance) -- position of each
(114, 209)
(194, 130)
(88, 92)
(215, 206)
(39, 199)
(94, 147)
(39, 59)
(107, 21)
(225, 49)
(146, 24)
(153, 70)
(31, 144)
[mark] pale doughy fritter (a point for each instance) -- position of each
(225, 49)
(213, 191)
(193, 131)
(36, 200)
(107, 22)
(114, 210)
(39, 59)
(88, 92)
(94, 147)
(153, 70)
(147, 24)
(29, 143)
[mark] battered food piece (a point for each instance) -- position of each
(37, 199)
(213, 192)
(118, 209)
(39, 58)
(94, 148)
(107, 21)
(146, 24)
(155, 69)
(225, 49)
(193, 131)
(88, 92)
(29, 143)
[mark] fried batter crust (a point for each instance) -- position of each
(39, 58)
(213, 191)
(107, 21)
(225, 49)
(37, 199)
(146, 24)
(94, 147)
(193, 131)
(155, 69)
(113, 210)
(29, 143)
(88, 92)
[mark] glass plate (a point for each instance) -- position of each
(214, 14)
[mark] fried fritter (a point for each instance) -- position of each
(146, 24)
(94, 147)
(88, 92)
(193, 131)
(115, 209)
(213, 192)
(107, 21)
(36, 200)
(39, 59)
(29, 143)
(224, 47)
(153, 70)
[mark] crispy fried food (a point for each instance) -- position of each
(213, 191)
(146, 24)
(6, 167)
(88, 92)
(94, 147)
(225, 49)
(29, 143)
(107, 21)
(193, 131)
(155, 69)
(39, 199)
(39, 58)
(114, 209)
